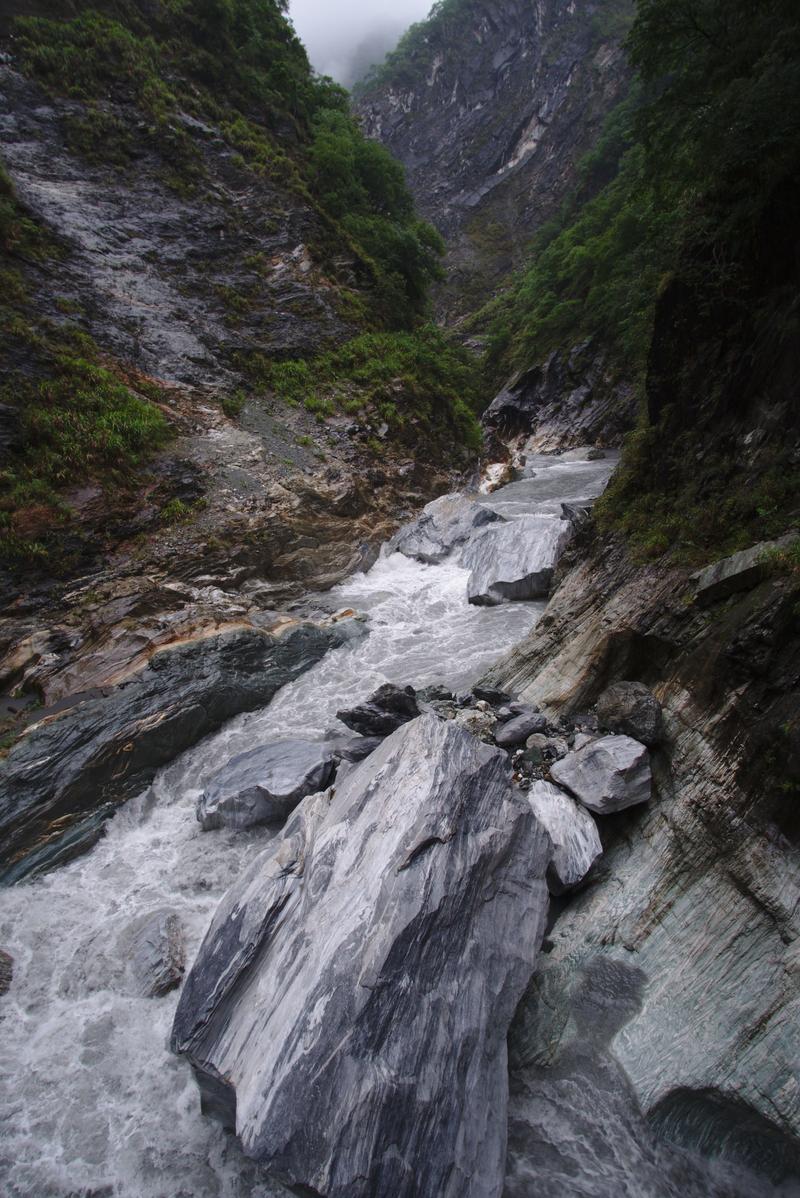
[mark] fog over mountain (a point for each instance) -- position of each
(346, 38)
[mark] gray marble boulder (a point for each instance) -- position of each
(264, 785)
(576, 841)
(631, 709)
(444, 524)
(383, 712)
(348, 1010)
(609, 774)
(515, 560)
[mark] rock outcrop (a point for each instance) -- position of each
(514, 560)
(264, 785)
(387, 938)
(72, 769)
(703, 885)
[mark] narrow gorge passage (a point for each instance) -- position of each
(98, 1105)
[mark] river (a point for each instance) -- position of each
(92, 1102)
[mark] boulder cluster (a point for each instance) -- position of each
(348, 1010)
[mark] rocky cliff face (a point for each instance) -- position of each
(490, 106)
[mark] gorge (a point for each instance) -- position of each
(399, 638)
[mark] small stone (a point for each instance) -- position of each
(517, 731)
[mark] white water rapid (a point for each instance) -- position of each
(92, 1103)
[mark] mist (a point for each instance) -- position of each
(345, 37)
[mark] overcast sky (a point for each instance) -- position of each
(344, 37)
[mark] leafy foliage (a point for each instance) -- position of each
(401, 377)
(248, 72)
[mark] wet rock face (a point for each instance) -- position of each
(444, 524)
(157, 953)
(514, 560)
(265, 785)
(70, 772)
(363, 973)
(633, 710)
(570, 399)
(490, 118)
(145, 956)
(609, 774)
(384, 711)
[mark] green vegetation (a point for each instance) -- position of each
(79, 421)
(401, 67)
(398, 377)
(597, 269)
(236, 63)
(687, 196)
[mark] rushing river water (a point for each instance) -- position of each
(92, 1102)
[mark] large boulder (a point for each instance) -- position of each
(72, 770)
(442, 525)
(264, 785)
(576, 841)
(514, 560)
(631, 709)
(609, 774)
(348, 1009)
(383, 712)
(144, 956)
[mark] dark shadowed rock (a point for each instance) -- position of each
(576, 841)
(264, 785)
(6, 972)
(518, 729)
(349, 1006)
(157, 953)
(610, 774)
(357, 748)
(630, 708)
(514, 560)
(383, 712)
(443, 524)
(71, 771)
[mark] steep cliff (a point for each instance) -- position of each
(214, 376)
(490, 106)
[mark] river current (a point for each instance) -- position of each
(92, 1103)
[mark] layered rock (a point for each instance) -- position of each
(515, 560)
(265, 785)
(349, 1006)
(703, 886)
(442, 525)
(71, 770)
